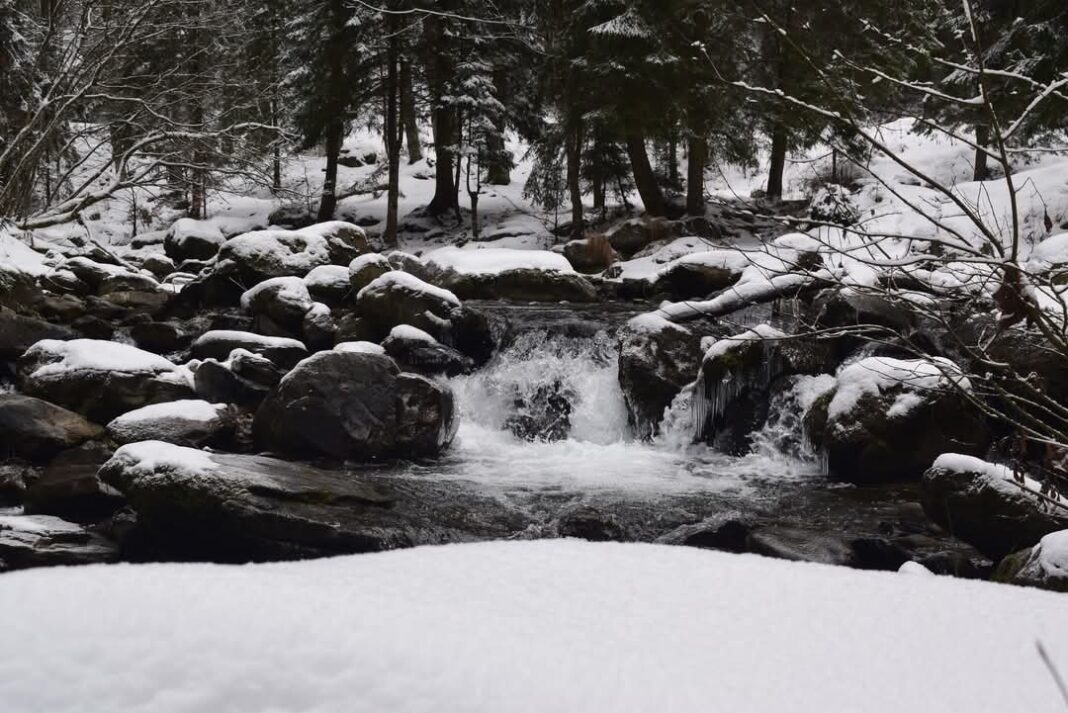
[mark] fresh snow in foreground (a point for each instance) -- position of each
(524, 626)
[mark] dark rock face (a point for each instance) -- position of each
(654, 366)
(159, 337)
(630, 237)
(983, 505)
(70, 487)
(217, 344)
(217, 382)
(690, 280)
(100, 380)
(46, 541)
(19, 332)
(348, 405)
(34, 429)
(235, 508)
(588, 523)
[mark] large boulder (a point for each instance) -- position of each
(219, 343)
(70, 487)
(189, 239)
(507, 274)
(282, 300)
(888, 419)
(701, 274)
(34, 429)
(415, 350)
(234, 508)
(100, 379)
(990, 506)
(657, 360)
(591, 255)
(1045, 565)
(397, 298)
(355, 406)
(190, 422)
(329, 284)
(633, 235)
(366, 269)
(19, 332)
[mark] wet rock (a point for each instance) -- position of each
(70, 487)
(1044, 566)
(234, 508)
(415, 350)
(159, 337)
(989, 506)
(190, 422)
(36, 430)
(216, 382)
(588, 523)
(45, 541)
(218, 343)
(93, 327)
(657, 359)
(19, 332)
(14, 476)
(99, 379)
(692, 279)
(398, 298)
(59, 308)
(544, 414)
(189, 239)
(355, 406)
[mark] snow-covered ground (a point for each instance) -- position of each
(533, 626)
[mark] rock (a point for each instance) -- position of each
(43, 540)
(987, 506)
(415, 350)
(18, 333)
(292, 216)
(507, 274)
(14, 475)
(216, 382)
(284, 300)
(159, 337)
(16, 287)
(218, 343)
(159, 265)
(366, 269)
(633, 235)
(190, 422)
(59, 308)
(255, 368)
(318, 327)
(1044, 566)
(62, 280)
(36, 430)
(398, 298)
(151, 301)
(591, 255)
(355, 406)
(701, 274)
(330, 284)
(192, 504)
(189, 239)
(588, 523)
(100, 379)
(888, 419)
(92, 327)
(657, 360)
(70, 487)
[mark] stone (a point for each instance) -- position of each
(34, 429)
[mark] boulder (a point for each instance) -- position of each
(159, 337)
(330, 284)
(43, 540)
(1044, 566)
(318, 327)
(366, 269)
(189, 239)
(217, 382)
(283, 300)
(590, 255)
(70, 487)
(100, 379)
(989, 506)
(701, 274)
(631, 236)
(400, 298)
(888, 419)
(588, 523)
(415, 350)
(193, 504)
(218, 343)
(36, 430)
(19, 332)
(189, 422)
(508, 274)
(355, 406)
(159, 265)
(657, 360)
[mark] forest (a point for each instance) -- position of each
(533, 355)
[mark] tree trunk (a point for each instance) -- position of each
(597, 175)
(778, 162)
(476, 228)
(498, 172)
(644, 179)
(695, 175)
(574, 186)
(328, 201)
(982, 166)
(408, 116)
(393, 132)
(439, 71)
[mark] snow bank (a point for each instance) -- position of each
(874, 375)
(523, 626)
(493, 261)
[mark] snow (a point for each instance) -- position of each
(37, 524)
(194, 410)
(296, 252)
(369, 259)
(915, 568)
(523, 626)
(186, 228)
(996, 476)
(360, 348)
(410, 333)
(14, 253)
(874, 375)
(407, 281)
(92, 355)
(1051, 252)
(648, 267)
(761, 332)
(1051, 554)
(152, 458)
(653, 323)
(248, 339)
(493, 261)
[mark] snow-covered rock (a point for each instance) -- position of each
(700, 274)
(510, 274)
(319, 327)
(189, 239)
(100, 379)
(398, 297)
(329, 283)
(360, 348)
(990, 506)
(45, 540)
(366, 269)
(1045, 565)
(282, 300)
(591, 255)
(245, 378)
(189, 422)
(355, 406)
(888, 419)
(415, 350)
(284, 253)
(219, 343)
(448, 623)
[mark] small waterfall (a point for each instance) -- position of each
(714, 398)
(783, 433)
(547, 387)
